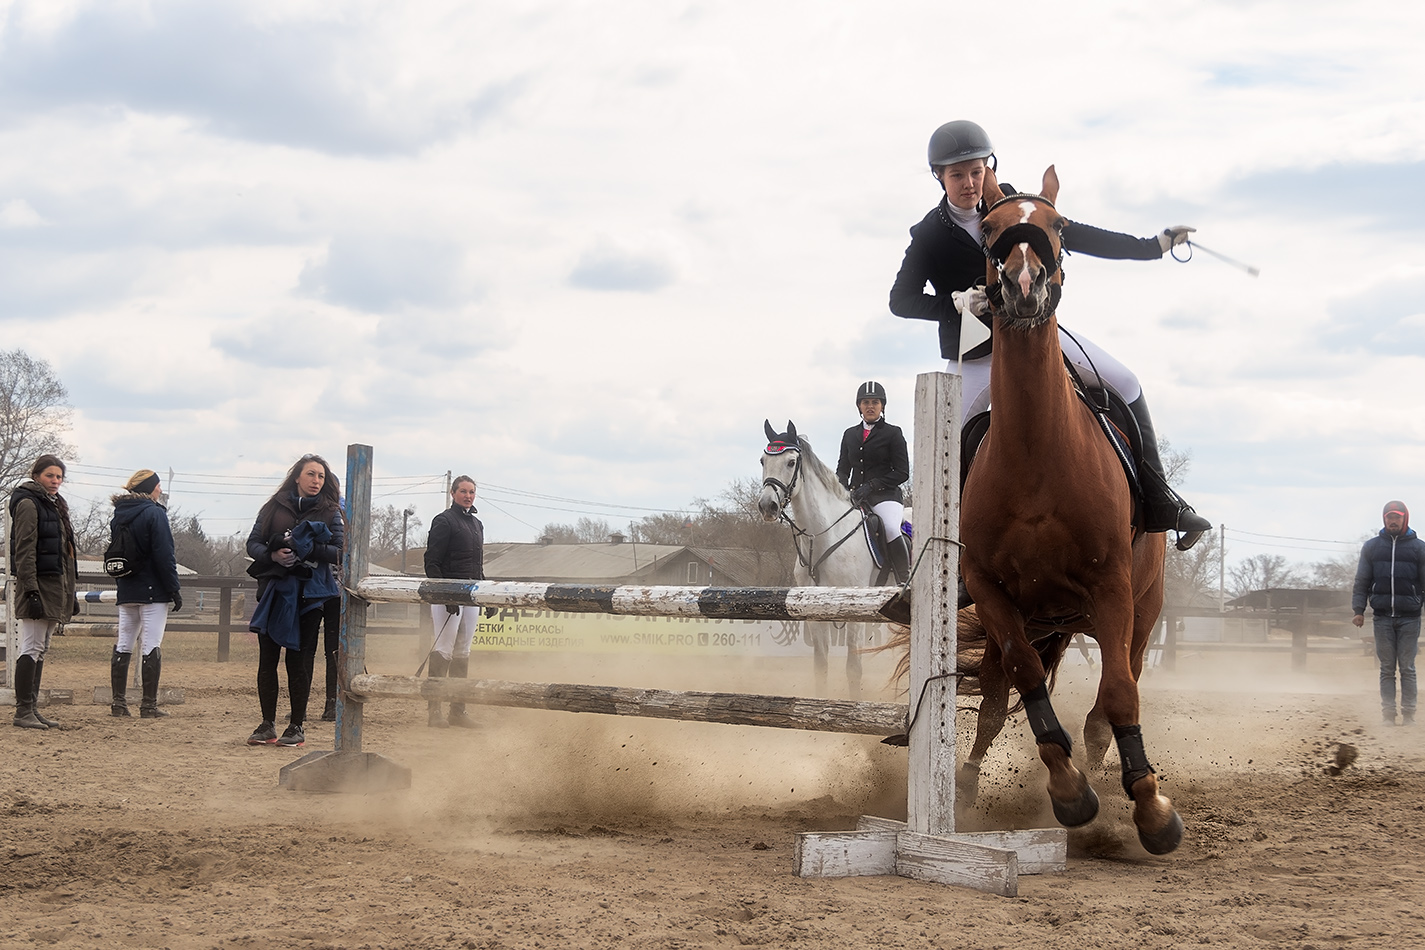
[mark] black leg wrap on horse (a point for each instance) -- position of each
(1043, 721)
(1131, 755)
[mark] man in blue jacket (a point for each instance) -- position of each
(1390, 575)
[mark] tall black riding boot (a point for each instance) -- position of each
(460, 669)
(436, 665)
(35, 696)
(152, 666)
(898, 551)
(1166, 509)
(118, 683)
(25, 689)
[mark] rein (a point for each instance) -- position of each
(798, 532)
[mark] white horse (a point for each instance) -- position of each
(828, 535)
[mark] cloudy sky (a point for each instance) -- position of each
(581, 250)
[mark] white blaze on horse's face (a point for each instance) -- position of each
(777, 470)
(1026, 273)
(1026, 210)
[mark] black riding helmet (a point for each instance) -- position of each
(870, 390)
(958, 141)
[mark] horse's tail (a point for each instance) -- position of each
(1051, 650)
(970, 641)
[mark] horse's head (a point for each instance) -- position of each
(781, 465)
(1021, 235)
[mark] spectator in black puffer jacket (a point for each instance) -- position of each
(1390, 578)
(144, 594)
(455, 549)
(43, 565)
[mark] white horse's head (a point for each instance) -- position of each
(781, 469)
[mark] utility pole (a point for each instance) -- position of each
(405, 519)
(1222, 569)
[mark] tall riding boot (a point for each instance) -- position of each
(436, 665)
(329, 712)
(152, 666)
(898, 551)
(25, 689)
(460, 669)
(118, 683)
(35, 696)
(1166, 509)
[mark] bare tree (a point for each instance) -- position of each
(386, 525)
(583, 531)
(91, 528)
(33, 413)
(1339, 573)
(1191, 576)
(1262, 571)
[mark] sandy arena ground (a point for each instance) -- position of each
(550, 830)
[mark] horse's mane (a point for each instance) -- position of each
(815, 466)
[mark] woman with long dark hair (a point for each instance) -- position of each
(42, 561)
(296, 540)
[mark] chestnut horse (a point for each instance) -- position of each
(1047, 526)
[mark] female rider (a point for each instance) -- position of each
(42, 562)
(455, 548)
(873, 464)
(144, 593)
(945, 249)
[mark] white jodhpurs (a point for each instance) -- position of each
(891, 513)
(35, 636)
(141, 624)
(453, 632)
(1092, 361)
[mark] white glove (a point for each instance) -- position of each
(1173, 236)
(972, 301)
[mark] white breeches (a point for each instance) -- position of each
(1093, 362)
(891, 514)
(35, 636)
(141, 624)
(453, 632)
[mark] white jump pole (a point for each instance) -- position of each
(926, 845)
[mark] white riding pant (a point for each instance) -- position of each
(453, 632)
(35, 636)
(141, 624)
(891, 514)
(1092, 361)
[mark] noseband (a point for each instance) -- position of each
(784, 490)
(1024, 233)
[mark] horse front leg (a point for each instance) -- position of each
(820, 636)
(854, 638)
(1075, 803)
(994, 709)
(1160, 827)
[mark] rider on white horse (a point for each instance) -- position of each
(874, 463)
(946, 249)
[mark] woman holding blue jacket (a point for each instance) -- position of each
(295, 542)
(145, 592)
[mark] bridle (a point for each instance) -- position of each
(784, 500)
(1037, 238)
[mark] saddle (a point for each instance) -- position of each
(1115, 420)
(875, 535)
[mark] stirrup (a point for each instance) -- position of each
(1190, 527)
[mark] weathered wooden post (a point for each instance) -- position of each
(346, 768)
(225, 619)
(926, 845)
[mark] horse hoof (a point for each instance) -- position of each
(967, 783)
(1165, 840)
(1077, 813)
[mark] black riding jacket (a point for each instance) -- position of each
(945, 254)
(456, 546)
(880, 460)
